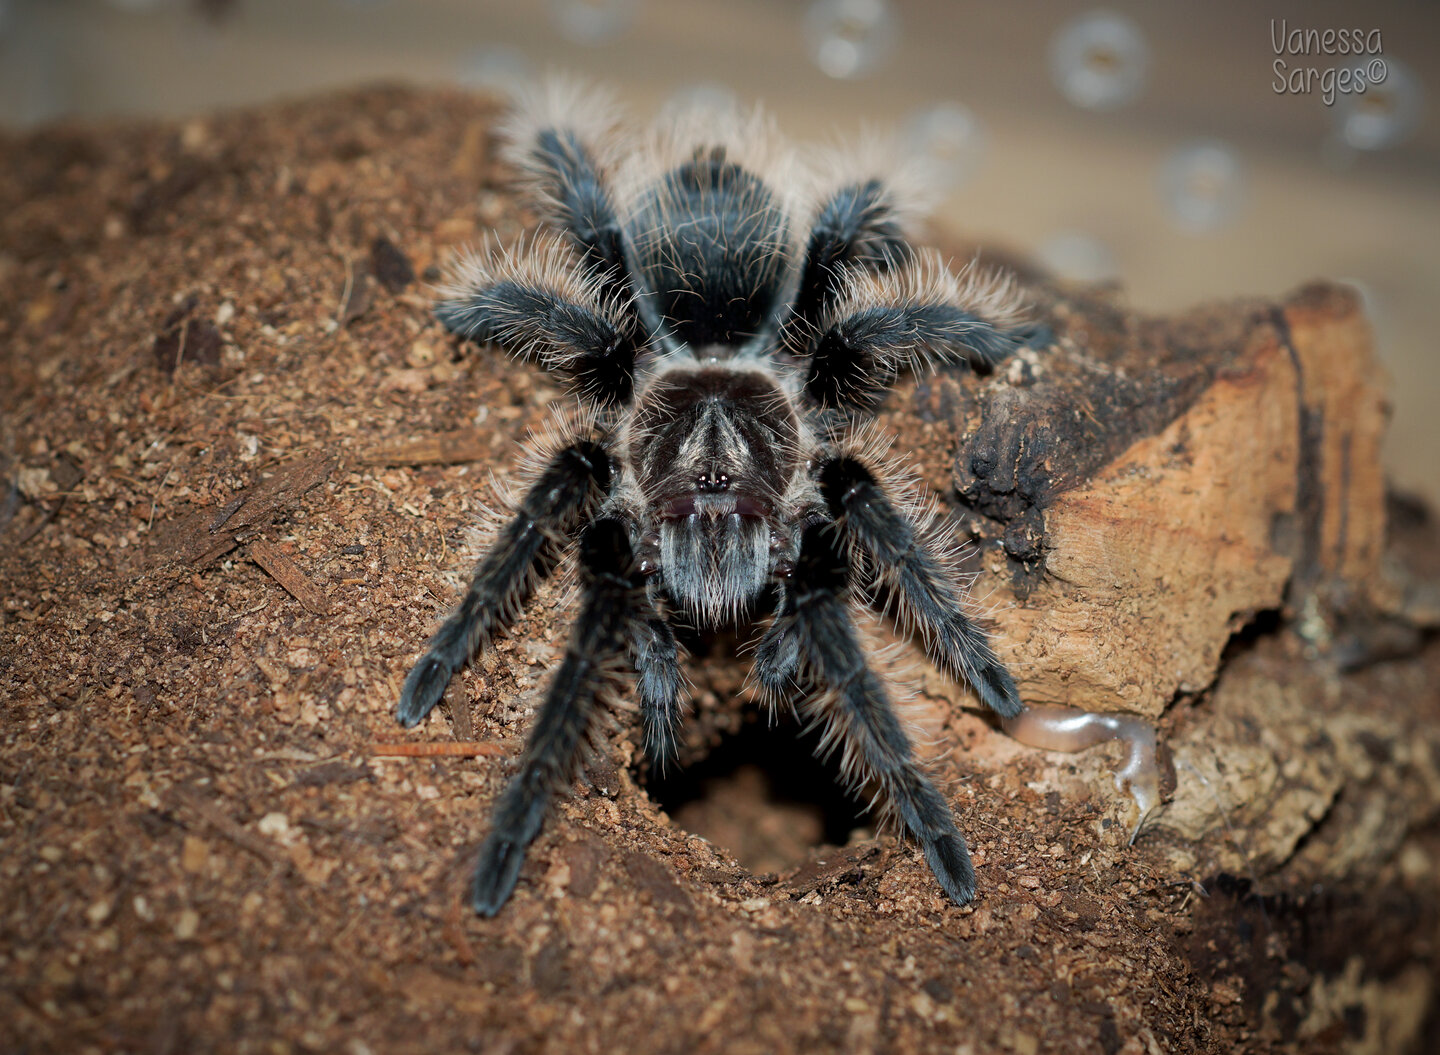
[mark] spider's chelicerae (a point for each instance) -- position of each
(728, 316)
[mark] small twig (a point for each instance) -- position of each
(36, 528)
(179, 350)
(223, 825)
(345, 293)
(227, 512)
(155, 501)
(438, 749)
(454, 916)
(11, 505)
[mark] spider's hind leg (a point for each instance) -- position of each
(569, 485)
(857, 225)
(556, 139)
(612, 598)
(860, 718)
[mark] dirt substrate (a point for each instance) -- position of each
(246, 465)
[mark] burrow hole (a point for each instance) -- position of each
(762, 795)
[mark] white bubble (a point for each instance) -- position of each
(950, 139)
(593, 21)
(1387, 112)
(1099, 60)
(499, 68)
(1075, 256)
(850, 38)
(1203, 185)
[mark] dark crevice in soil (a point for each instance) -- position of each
(1261, 625)
(763, 795)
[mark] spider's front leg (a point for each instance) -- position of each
(566, 488)
(613, 599)
(853, 703)
(924, 585)
(556, 139)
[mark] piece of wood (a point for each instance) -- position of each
(282, 569)
(444, 448)
(204, 536)
(1250, 481)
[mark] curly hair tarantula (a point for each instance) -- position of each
(728, 317)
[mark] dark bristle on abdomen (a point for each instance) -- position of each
(710, 239)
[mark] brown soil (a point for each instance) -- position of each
(245, 463)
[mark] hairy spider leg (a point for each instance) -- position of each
(856, 226)
(925, 587)
(657, 669)
(526, 316)
(613, 596)
(777, 656)
(902, 319)
(579, 202)
(567, 488)
(571, 189)
(529, 307)
(852, 703)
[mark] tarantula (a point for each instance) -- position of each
(728, 318)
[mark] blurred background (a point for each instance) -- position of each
(1186, 151)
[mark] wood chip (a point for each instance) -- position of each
(198, 539)
(460, 719)
(444, 448)
(439, 749)
(282, 569)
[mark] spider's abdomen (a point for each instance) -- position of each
(710, 241)
(715, 449)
